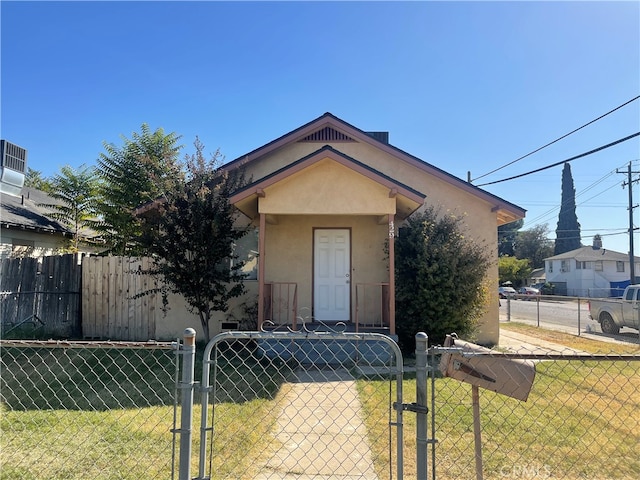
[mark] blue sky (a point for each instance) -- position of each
(465, 86)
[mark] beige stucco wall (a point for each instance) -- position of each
(171, 325)
(289, 252)
(289, 258)
(327, 187)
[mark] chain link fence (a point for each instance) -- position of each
(316, 404)
(581, 419)
(79, 410)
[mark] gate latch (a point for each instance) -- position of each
(411, 407)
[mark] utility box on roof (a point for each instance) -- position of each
(484, 368)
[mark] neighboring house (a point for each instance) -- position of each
(25, 230)
(324, 201)
(590, 271)
(537, 276)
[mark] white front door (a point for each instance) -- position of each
(332, 275)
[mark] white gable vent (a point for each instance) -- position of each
(13, 166)
(327, 134)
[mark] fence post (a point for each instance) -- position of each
(186, 407)
(421, 400)
(477, 430)
(579, 316)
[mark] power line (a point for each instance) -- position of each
(625, 232)
(543, 216)
(595, 150)
(556, 140)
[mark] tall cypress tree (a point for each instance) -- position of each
(568, 229)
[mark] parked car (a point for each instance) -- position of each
(614, 313)
(507, 292)
(528, 291)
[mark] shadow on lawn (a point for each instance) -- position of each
(94, 379)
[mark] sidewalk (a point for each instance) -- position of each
(321, 432)
(525, 344)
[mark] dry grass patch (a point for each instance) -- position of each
(581, 422)
(572, 341)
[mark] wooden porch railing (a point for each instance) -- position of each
(372, 305)
(281, 303)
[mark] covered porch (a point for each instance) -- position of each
(326, 233)
(372, 312)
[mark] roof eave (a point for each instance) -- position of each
(507, 212)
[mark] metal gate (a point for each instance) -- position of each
(278, 405)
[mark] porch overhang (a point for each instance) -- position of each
(327, 182)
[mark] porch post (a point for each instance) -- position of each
(261, 248)
(392, 276)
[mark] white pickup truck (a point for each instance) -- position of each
(615, 313)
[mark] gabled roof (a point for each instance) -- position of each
(329, 124)
(23, 212)
(329, 151)
(537, 272)
(590, 254)
(409, 198)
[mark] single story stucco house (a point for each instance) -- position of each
(321, 203)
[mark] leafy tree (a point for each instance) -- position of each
(190, 234)
(513, 269)
(34, 179)
(507, 236)
(440, 278)
(568, 229)
(74, 191)
(534, 245)
(136, 173)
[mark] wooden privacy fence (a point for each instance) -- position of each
(43, 293)
(111, 307)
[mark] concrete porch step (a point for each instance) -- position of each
(332, 350)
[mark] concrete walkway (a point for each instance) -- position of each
(321, 431)
(320, 427)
